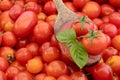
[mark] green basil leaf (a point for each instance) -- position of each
(79, 54)
(66, 36)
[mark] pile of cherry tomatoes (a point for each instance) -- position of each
(29, 49)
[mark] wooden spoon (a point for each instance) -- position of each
(64, 15)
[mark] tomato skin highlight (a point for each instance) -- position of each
(25, 24)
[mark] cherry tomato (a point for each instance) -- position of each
(113, 62)
(36, 61)
(44, 46)
(43, 32)
(9, 26)
(5, 5)
(8, 53)
(25, 24)
(90, 8)
(78, 75)
(4, 18)
(23, 55)
(98, 21)
(82, 30)
(105, 19)
(116, 42)
(108, 52)
(70, 6)
(114, 18)
(9, 39)
(40, 76)
(3, 64)
(50, 8)
(23, 76)
(33, 48)
(79, 3)
(97, 45)
(12, 72)
(109, 29)
(104, 69)
(42, 16)
(57, 68)
(106, 9)
(50, 54)
(32, 6)
(15, 11)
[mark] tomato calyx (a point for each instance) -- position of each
(83, 20)
(92, 34)
(10, 58)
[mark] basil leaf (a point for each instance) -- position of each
(66, 36)
(79, 54)
(77, 51)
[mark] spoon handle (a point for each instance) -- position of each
(64, 15)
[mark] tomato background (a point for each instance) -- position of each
(29, 49)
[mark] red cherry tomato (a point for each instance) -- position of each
(114, 18)
(108, 52)
(23, 76)
(12, 72)
(9, 39)
(15, 11)
(97, 45)
(106, 9)
(23, 55)
(57, 68)
(40, 76)
(8, 53)
(98, 21)
(25, 24)
(104, 69)
(3, 64)
(92, 9)
(50, 8)
(79, 3)
(32, 6)
(50, 54)
(78, 75)
(109, 29)
(82, 30)
(5, 5)
(33, 48)
(4, 18)
(70, 6)
(43, 32)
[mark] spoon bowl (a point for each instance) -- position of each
(64, 15)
